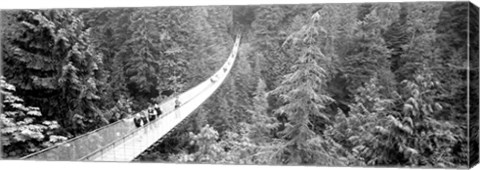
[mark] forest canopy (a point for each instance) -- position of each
(371, 84)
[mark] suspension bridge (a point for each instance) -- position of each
(122, 141)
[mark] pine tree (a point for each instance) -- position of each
(109, 30)
(451, 68)
(175, 26)
(369, 56)
(263, 124)
(49, 59)
(142, 64)
(396, 37)
(303, 92)
(153, 55)
(452, 58)
(419, 47)
(270, 35)
(208, 43)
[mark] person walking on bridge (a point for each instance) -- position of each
(144, 115)
(137, 120)
(214, 79)
(177, 105)
(152, 114)
(158, 109)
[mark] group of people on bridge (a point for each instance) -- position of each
(150, 114)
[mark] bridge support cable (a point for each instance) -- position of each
(122, 141)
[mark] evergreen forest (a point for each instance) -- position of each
(367, 84)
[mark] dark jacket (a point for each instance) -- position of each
(159, 111)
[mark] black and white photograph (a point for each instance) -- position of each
(359, 84)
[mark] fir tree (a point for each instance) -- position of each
(369, 56)
(57, 65)
(109, 32)
(396, 37)
(142, 63)
(303, 92)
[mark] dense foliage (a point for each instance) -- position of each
(21, 129)
(323, 84)
(49, 59)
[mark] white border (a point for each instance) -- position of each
(50, 165)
